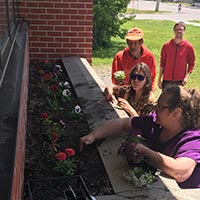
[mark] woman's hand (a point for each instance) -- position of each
(86, 140)
(108, 94)
(139, 148)
(123, 103)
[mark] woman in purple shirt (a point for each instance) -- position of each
(173, 135)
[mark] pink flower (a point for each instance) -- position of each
(53, 87)
(55, 136)
(44, 115)
(70, 152)
(60, 156)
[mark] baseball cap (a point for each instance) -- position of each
(135, 34)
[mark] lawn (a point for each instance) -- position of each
(156, 32)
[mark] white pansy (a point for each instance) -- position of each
(58, 67)
(66, 84)
(77, 109)
(66, 93)
(60, 83)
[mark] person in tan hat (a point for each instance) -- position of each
(135, 53)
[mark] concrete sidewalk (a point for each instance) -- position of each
(187, 13)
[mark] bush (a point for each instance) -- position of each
(107, 20)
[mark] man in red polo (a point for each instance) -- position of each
(135, 53)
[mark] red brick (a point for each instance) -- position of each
(78, 5)
(38, 33)
(46, 5)
(69, 11)
(46, 16)
(54, 22)
(54, 33)
(77, 28)
(77, 40)
(53, 11)
(47, 50)
(61, 5)
(62, 40)
(61, 28)
(37, 10)
(53, 44)
(32, 4)
(39, 44)
(45, 28)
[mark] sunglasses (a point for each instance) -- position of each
(138, 76)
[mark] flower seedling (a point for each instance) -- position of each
(139, 177)
(141, 173)
(46, 118)
(65, 162)
(119, 76)
(76, 112)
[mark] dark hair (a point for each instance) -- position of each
(145, 69)
(141, 41)
(180, 23)
(189, 101)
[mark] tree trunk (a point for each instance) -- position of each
(157, 5)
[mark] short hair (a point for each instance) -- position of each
(180, 23)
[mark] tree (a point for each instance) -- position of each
(157, 5)
(108, 16)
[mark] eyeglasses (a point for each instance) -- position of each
(138, 76)
(158, 107)
(179, 30)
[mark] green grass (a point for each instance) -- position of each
(196, 21)
(156, 32)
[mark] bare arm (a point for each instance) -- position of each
(178, 168)
(185, 80)
(160, 77)
(109, 128)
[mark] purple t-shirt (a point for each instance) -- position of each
(185, 144)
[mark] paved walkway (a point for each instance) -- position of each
(187, 13)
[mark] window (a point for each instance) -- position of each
(8, 30)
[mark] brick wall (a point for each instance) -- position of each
(58, 28)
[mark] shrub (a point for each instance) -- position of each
(107, 20)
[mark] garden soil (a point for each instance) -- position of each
(39, 158)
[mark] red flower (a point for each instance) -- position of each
(53, 87)
(45, 61)
(55, 136)
(61, 156)
(44, 115)
(70, 152)
(47, 77)
(38, 68)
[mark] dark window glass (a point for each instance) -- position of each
(8, 29)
